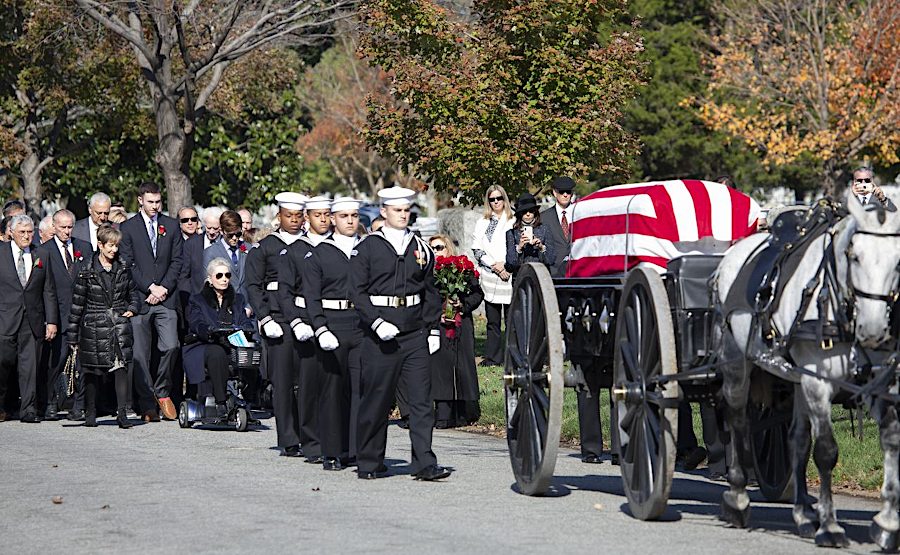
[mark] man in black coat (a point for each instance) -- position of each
(392, 287)
(66, 256)
(152, 245)
(28, 312)
(98, 213)
(558, 218)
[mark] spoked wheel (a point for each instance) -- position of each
(183, 415)
(770, 425)
(646, 410)
(241, 420)
(533, 379)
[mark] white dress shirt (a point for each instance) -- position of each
(63, 247)
(864, 199)
(15, 252)
(93, 233)
(559, 213)
(147, 223)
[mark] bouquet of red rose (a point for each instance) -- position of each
(452, 275)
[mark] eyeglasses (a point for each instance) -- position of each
(564, 192)
(195, 219)
(495, 199)
(236, 235)
(866, 180)
(220, 275)
(438, 248)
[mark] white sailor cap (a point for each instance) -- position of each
(290, 200)
(343, 204)
(396, 196)
(318, 203)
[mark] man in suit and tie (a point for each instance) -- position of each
(559, 219)
(66, 256)
(28, 312)
(152, 244)
(230, 246)
(867, 192)
(98, 210)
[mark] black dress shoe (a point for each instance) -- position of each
(694, 457)
(76, 415)
(431, 473)
(403, 423)
(367, 475)
(51, 414)
(90, 419)
(591, 459)
(31, 418)
(332, 464)
(318, 459)
(292, 451)
(444, 424)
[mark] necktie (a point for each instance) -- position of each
(233, 254)
(152, 230)
(20, 268)
(564, 223)
(69, 265)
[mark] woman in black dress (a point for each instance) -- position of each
(104, 299)
(528, 240)
(454, 380)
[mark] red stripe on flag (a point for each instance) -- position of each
(740, 213)
(615, 224)
(702, 206)
(592, 266)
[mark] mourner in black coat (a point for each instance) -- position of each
(104, 301)
(208, 312)
(540, 248)
(28, 313)
(454, 379)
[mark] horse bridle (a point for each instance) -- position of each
(893, 295)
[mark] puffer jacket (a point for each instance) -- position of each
(96, 324)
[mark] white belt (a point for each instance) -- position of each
(395, 302)
(299, 302)
(335, 304)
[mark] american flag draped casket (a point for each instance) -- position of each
(618, 227)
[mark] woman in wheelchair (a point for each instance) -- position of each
(216, 306)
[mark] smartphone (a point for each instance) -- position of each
(528, 233)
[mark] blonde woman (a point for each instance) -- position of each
(489, 248)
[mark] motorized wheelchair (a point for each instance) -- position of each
(243, 367)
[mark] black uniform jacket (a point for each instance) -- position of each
(290, 278)
(376, 269)
(326, 275)
(261, 278)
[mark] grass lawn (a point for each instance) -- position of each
(859, 466)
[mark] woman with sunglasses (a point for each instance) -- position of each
(528, 240)
(489, 248)
(454, 380)
(217, 305)
(104, 298)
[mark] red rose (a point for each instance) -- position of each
(77, 254)
(162, 230)
(38, 263)
(243, 247)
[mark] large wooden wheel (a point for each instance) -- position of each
(533, 379)
(770, 445)
(646, 411)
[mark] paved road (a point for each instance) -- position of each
(159, 489)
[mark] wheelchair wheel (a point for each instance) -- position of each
(242, 420)
(183, 415)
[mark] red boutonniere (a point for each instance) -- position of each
(162, 230)
(243, 248)
(78, 256)
(38, 263)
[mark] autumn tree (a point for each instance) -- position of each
(51, 75)
(526, 91)
(185, 48)
(808, 78)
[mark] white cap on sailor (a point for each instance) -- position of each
(396, 196)
(291, 200)
(318, 203)
(344, 204)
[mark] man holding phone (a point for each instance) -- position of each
(867, 192)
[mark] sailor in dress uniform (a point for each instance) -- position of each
(392, 287)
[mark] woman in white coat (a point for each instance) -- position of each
(489, 248)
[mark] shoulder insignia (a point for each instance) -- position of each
(354, 252)
(283, 252)
(308, 254)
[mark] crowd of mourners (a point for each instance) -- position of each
(118, 315)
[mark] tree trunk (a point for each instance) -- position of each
(832, 183)
(31, 168)
(175, 148)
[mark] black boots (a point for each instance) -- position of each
(122, 420)
(90, 418)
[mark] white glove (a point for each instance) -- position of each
(272, 329)
(302, 331)
(434, 344)
(386, 331)
(328, 341)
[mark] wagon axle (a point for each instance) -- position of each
(630, 393)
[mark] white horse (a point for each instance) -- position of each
(867, 254)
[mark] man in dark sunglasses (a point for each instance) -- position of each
(867, 192)
(189, 221)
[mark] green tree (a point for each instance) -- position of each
(527, 91)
